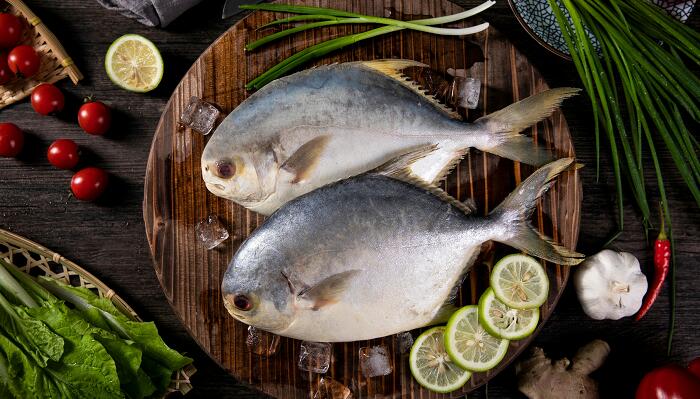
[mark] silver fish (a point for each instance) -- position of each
(325, 124)
(373, 255)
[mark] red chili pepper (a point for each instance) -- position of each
(662, 262)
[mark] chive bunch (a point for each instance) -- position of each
(329, 17)
(641, 89)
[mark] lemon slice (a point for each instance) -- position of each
(431, 365)
(469, 344)
(134, 63)
(502, 321)
(520, 282)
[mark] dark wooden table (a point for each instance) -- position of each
(108, 238)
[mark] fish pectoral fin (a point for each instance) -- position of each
(305, 158)
(327, 291)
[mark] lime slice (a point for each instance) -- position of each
(502, 321)
(134, 63)
(520, 282)
(431, 365)
(469, 344)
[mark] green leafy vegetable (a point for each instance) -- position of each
(102, 352)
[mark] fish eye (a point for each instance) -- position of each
(241, 302)
(225, 169)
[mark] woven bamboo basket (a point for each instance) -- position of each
(55, 62)
(33, 259)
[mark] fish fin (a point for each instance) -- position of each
(401, 165)
(399, 168)
(303, 160)
(517, 209)
(508, 122)
(459, 155)
(392, 68)
(328, 290)
(470, 204)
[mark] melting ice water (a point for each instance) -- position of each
(315, 356)
(262, 342)
(403, 342)
(199, 115)
(375, 361)
(211, 232)
(329, 388)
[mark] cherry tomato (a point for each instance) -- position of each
(47, 99)
(11, 140)
(24, 61)
(10, 30)
(694, 367)
(89, 183)
(63, 154)
(94, 117)
(6, 74)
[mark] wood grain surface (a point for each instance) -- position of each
(108, 238)
(175, 197)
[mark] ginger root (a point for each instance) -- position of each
(540, 378)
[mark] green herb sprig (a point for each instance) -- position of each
(330, 17)
(639, 86)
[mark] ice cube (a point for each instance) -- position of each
(199, 115)
(403, 342)
(465, 92)
(211, 232)
(262, 342)
(375, 361)
(315, 356)
(329, 388)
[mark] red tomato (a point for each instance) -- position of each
(10, 30)
(11, 140)
(669, 382)
(694, 367)
(24, 61)
(89, 183)
(47, 99)
(63, 154)
(94, 117)
(6, 74)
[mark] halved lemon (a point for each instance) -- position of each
(134, 63)
(431, 365)
(502, 321)
(520, 282)
(469, 345)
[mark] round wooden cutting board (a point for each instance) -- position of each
(176, 199)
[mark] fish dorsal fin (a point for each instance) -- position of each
(302, 161)
(392, 68)
(399, 168)
(450, 166)
(327, 291)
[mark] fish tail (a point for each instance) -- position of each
(507, 123)
(517, 208)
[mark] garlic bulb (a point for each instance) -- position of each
(610, 285)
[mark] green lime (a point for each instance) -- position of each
(502, 321)
(469, 344)
(431, 365)
(134, 63)
(520, 282)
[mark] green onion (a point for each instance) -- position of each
(641, 64)
(330, 17)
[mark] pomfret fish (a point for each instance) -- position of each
(325, 124)
(372, 256)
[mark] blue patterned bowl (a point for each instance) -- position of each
(538, 20)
